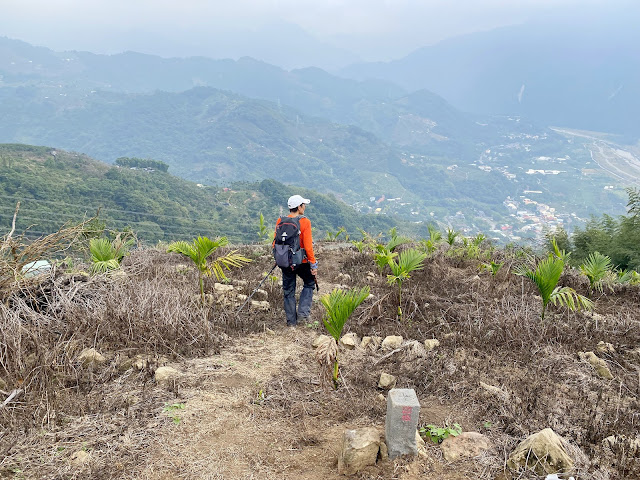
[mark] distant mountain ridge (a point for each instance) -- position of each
(551, 72)
(379, 107)
(370, 143)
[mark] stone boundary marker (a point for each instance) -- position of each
(403, 412)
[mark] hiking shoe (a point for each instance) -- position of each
(303, 320)
(292, 324)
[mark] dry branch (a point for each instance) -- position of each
(12, 396)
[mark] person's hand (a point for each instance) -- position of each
(314, 271)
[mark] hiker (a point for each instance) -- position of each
(293, 251)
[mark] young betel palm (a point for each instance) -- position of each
(339, 305)
(596, 268)
(199, 252)
(385, 253)
(546, 275)
(408, 261)
(106, 255)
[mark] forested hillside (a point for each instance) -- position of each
(55, 187)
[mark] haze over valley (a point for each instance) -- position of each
(494, 131)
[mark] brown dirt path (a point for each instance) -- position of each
(227, 429)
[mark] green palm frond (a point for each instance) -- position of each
(596, 267)
(478, 239)
(231, 259)
(101, 249)
(451, 236)
(561, 254)
(103, 255)
(408, 261)
(435, 235)
(185, 248)
(628, 276)
(201, 249)
(396, 241)
(339, 305)
(545, 275)
(383, 256)
(428, 246)
(568, 297)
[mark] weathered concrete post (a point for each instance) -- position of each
(403, 412)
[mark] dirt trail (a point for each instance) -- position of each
(227, 429)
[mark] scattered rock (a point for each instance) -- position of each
(386, 381)
(140, 362)
(371, 274)
(118, 274)
(166, 375)
(359, 449)
(392, 342)
(261, 305)
(271, 332)
(241, 283)
(320, 339)
(495, 391)
(241, 297)
(90, 356)
(222, 288)
(370, 343)
(543, 452)
(605, 347)
(350, 341)
(598, 364)
(382, 399)
(345, 277)
(421, 446)
(384, 452)
(460, 355)
(431, 344)
(261, 293)
(467, 444)
(416, 350)
(80, 457)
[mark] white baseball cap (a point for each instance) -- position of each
(296, 201)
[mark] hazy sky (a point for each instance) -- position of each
(372, 29)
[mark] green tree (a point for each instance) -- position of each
(199, 252)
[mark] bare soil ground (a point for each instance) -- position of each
(249, 404)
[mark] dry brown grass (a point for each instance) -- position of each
(489, 328)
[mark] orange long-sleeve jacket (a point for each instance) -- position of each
(306, 240)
